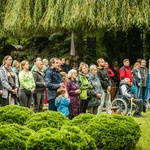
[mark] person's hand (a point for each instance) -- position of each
(1, 92)
(108, 88)
(78, 91)
(32, 90)
(99, 95)
(62, 84)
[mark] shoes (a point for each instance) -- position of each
(144, 108)
(138, 115)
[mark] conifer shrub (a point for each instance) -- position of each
(14, 114)
(68, 138)
(113, 132)
(14, 137)
(46, 119)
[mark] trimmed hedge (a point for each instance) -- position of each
(68, 138)
(113, 132)
(81, 120)
(46, 119)
(14, 137)
(14, 114)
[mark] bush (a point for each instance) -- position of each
(81, 120)
(14, 114)
(113, 132)
(71, 138)
(46, 119)
(14, 136)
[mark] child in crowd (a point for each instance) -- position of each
(61, 102)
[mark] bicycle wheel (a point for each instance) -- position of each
(121, 103)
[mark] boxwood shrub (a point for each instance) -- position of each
(14, 114)
(68, 138)
(81, 120)
(113, 132)
(14, 137)
(46, 119)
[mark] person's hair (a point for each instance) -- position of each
(64, 76)
(99, 59)
(38, 59)
(22, 64)
(135, 64)
(92, 67)
(15, 63)
(125, 60)
(83, 65)
(52, 60)
(4, 60)
(139, 60)
(60, 91)
(71, 72)
(44, 60)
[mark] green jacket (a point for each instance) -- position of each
(84, 85)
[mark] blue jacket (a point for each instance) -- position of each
(62, 105)
(52, 79)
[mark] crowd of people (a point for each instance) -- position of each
(72, 89)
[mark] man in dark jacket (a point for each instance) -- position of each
(106, 85)
(38, 94)
(144, 76)
(53, 80)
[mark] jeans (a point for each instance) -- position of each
(107, 99)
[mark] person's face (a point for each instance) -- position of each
(106, 65)
(67, 62)
(26, 66)
(74, 75)
(137, 66)
(84, 70)
(94, 71)
(143, 63)
(40, 65)
(127, 63)
(115, 63)
(9, 61)
(46, 63)
(56, 64)
(102, 63)
(63, 61)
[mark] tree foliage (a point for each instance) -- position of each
(40, 17)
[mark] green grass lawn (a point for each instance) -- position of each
(144, 142)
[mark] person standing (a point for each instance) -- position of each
(95, 92)
(84, 85)
(137, 80)
(144, 75)
(62, 102)
(38, 95)
(106, 85)
(27, 85)
(73, 91)
(9, 81)
(53, 80)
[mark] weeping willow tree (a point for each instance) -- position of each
(42, 17)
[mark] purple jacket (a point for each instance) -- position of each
(74, 107)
